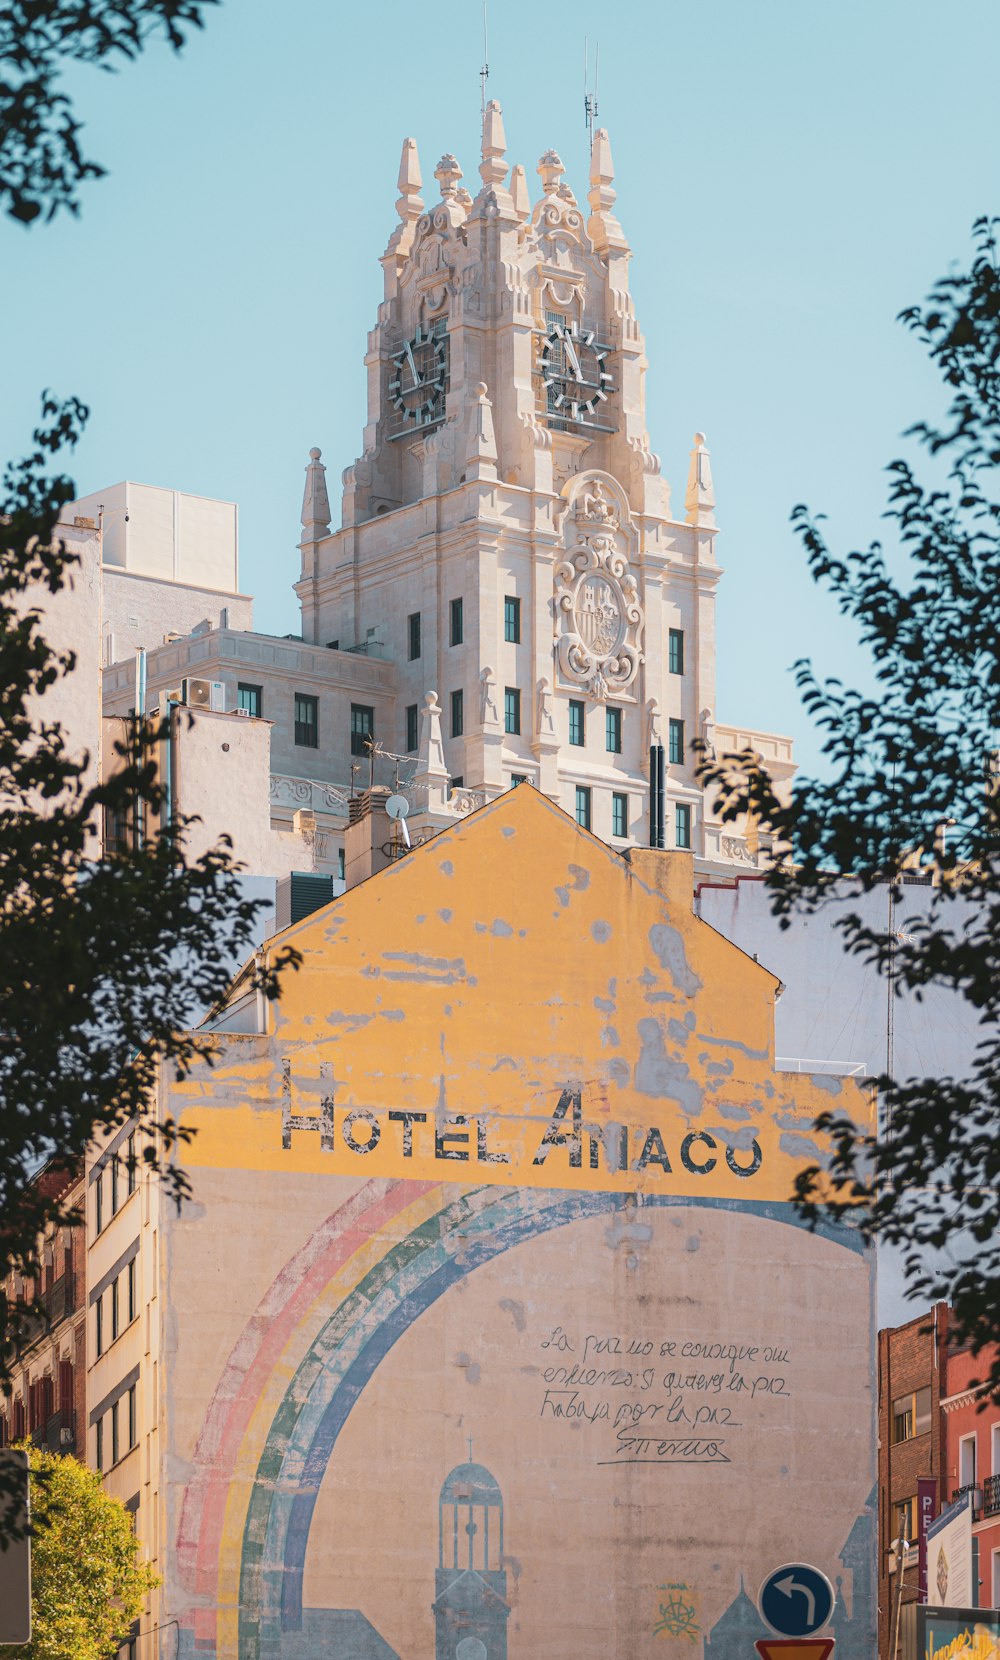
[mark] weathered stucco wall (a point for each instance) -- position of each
(492, 1232)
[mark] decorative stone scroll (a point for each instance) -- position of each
(599, 620)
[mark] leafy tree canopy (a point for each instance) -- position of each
(88, 1584)
(41, 162)
(911, 788)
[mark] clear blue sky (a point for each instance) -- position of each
(790, 176)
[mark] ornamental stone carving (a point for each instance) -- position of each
(599, 620)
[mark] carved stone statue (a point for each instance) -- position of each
(654, 724)
(487, 698)
(546, 724)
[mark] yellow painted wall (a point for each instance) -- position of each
(513, 1164)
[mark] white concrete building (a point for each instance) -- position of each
(509, 598)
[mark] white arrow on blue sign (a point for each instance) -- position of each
(796, 1600)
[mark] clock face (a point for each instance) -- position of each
(573, 364)
(418, 377)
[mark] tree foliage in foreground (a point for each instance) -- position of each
(88, 1584)
(41, 162)
(919, 751)
(105, 961)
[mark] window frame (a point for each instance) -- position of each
(613, 725)
(675, 651)
(99, 1326)
(512, 710)
(683, 815)
(583, 808)
(458, 713)
(456, 622)
(577, 722)
(413, 640)
(964, 1442)
(256, 698)
(309, 702)
(675, 742)
(512, 619)
(359, 731)
(619, 813)
(412, 728)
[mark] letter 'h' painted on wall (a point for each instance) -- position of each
(306, 1121)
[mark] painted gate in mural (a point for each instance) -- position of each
(494, 1331)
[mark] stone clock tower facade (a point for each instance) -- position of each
(507, 536)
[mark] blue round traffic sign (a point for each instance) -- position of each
(796, 1600)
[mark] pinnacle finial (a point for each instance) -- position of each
(550, 170)
(481, 461)
(315, 500)
(519, 193)
(699, 502)
(447, 172)
(603, 228)
(493, 167)
(410, 204)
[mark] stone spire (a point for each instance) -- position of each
(493, 168)
(519, 193)
(699, 502)
(410, 203)
(604, 230)
(431, 779)
(315, 501)
(481, 447)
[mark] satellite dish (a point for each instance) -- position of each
(397, 806)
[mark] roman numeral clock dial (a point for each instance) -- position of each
(575, 374)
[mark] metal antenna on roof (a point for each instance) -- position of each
(484, 73)
(590, 109)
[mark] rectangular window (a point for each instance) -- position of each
(249, 698)
(583, 806)
(905, 1511)
(114, 1307)
(996, 1463)
(341, 872)
(911, 1415)
(99, 1202)
(99, 1325)
(457, 714)
(458, 782)
(99, 1444)
(455, 630)
(675, 743)
(362, 728)
(996, 1579)
(619, 814)
(133, 1431)
(413, 635)
(613, 731)
(512, 709)
(412, 718)
(114, 1185)
(518, 778)
(682, 825)
(967, 1461)
(575, 722)
(133, 1308)
(115, 1448)
(306, 720)
(131, 1164)
(675, 651)
(512, 620)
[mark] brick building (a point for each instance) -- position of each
(47, 1398)
(932, 1424)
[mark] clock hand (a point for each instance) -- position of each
(571, 354)
(413, 366)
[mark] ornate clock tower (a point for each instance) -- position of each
(507, 536)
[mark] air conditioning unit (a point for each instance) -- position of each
(197, 694)
(206, 694)
(245, 712)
